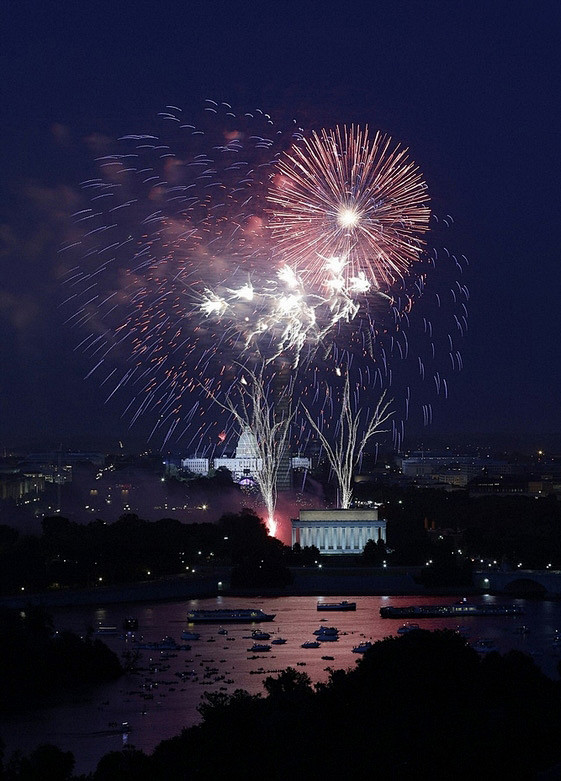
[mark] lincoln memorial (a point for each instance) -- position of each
(338, 531)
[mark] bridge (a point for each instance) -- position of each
(522, 582)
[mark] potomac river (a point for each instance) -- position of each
(161, 698)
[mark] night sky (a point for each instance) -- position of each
(472, 88)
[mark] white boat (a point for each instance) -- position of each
(222, 631)
(258, 647)
(327, 634)
(102, 629)
(344, 605)
(363, 647)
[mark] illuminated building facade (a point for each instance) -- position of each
(244, 465)
(338, 531)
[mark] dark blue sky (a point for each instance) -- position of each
(471, 87)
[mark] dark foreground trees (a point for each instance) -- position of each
(37, 663)
(419, 706)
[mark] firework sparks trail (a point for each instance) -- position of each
(227, 241)
(352, 436)
(251, 405)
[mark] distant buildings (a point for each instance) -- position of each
(244, 465)
(20, 486)
(37, 479)
(482, 476)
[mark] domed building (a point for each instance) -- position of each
(244, 465)
(247, 445)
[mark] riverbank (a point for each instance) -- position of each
(343, 581)
(145, 591)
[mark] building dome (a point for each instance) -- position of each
(247, 445)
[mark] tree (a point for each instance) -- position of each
(289, 685)
(374, 552)
(127, 765)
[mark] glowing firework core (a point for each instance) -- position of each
(348, 218)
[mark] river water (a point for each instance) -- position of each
(162, 697)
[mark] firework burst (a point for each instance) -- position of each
(348, 211)
(225, 241)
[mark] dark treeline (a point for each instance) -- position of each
(519, 528)
(38, 663)
(69, 554)
(415, 707)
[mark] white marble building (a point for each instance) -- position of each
(338, 531)
(244, 464)
(198, 466)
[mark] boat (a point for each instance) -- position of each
(130, 624)
(103, 629)
(456, 609)
(257, 635)
(258, 647)
(311, 644)
(222, 631)
(167, 644)
(187, 635)
(406, 628)
(225, 616)
(363, 647)
(327, 634)
(484, 646)
(344, 605)
(278, 641)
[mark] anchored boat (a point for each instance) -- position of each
(462, 609)
(344, 605)
(225, 616)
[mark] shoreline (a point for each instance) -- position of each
(336, 582)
